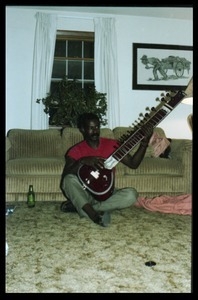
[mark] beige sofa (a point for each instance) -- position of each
(37, 157)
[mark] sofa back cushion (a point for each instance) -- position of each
(119, 131)
(72, 136)
(35, 143)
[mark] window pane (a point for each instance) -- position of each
(60, 48)
(59, 69)
(89, 70)
(74, 49)
(88, 49)
(74, 69)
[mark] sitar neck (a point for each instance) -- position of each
(134, 136)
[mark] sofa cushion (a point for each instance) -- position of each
(35, 143)
(157, 166)
(7, 148)
(35, 166)
(72, 136)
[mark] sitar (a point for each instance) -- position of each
(100, 182)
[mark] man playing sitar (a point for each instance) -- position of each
(88, 182)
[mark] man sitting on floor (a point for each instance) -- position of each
(93, 151)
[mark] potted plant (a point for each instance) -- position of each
(68, 100)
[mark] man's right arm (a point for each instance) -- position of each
(71, 166)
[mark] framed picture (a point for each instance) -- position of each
(161, 67)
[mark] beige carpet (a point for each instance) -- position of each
(55, 252)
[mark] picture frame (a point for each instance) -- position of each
(161, 67)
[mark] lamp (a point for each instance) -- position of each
(189, 93)
(190, 121)
(189, 100)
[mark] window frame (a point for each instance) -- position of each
(70, 35)
(64, 35)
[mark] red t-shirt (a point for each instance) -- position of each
(105, 149)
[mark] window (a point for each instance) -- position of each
(74, 58)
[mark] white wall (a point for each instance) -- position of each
(20, 28)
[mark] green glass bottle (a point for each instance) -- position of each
(31, 197)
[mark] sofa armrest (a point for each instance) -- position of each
(7, 149)
(180, 148)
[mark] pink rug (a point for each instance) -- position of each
(181, 204)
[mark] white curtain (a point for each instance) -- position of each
(106, 70)
(44, 45)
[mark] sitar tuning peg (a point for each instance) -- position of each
(129, 131)
(141, 121)
(157, 99)
(168, 96)
(147, 108)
